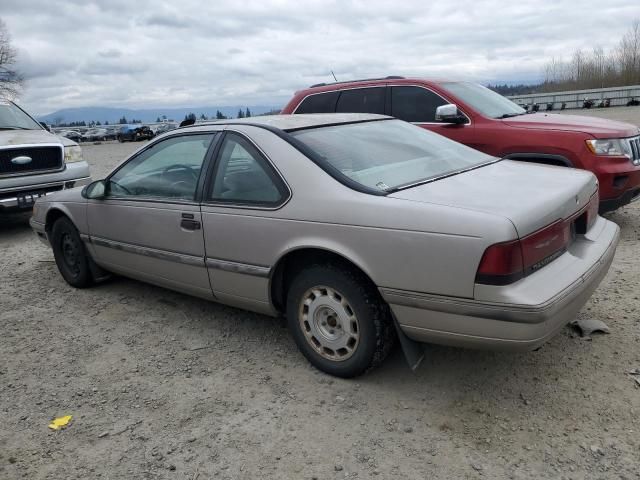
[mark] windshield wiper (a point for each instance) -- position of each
(14, 128)
(509, 115)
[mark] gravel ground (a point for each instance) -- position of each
(161, 385)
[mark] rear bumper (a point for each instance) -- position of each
(501, 325)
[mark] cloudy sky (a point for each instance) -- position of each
(137, 54)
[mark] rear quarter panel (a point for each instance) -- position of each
(399, 243)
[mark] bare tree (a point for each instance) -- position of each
(629, 55)
(598, 68)
(10, 79)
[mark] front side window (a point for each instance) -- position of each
(361, 100)
(169, 169)
(319, 103)
(243, 176)
(415, 104)
(485, 101)
(388, 155)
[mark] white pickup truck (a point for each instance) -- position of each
(33, 161)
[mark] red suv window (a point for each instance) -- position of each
(319, 103)
(415, 104)
(361, 100)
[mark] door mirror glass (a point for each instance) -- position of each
(449, 114)
(95, 190)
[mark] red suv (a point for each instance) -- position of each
(482, 119)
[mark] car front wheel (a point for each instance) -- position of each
(70, 254)
(338, 320)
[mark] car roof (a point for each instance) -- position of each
(391, 80)
(295, 122)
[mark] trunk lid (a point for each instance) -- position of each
(531, 196)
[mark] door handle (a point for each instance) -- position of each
(190, 224)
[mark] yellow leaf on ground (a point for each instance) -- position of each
(60, 422)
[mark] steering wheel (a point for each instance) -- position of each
(181, 166)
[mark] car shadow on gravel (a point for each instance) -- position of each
(11, 224)
(198, 325)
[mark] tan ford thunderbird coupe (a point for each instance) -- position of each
(359, 228)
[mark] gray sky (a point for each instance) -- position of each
(126, 53)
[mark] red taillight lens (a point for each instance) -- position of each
(507, 262)
(501, 264)
(539, 247)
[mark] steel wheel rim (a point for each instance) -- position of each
(329, 323)
(70, 253)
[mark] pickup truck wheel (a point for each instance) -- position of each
(338, 320)
(70, 254)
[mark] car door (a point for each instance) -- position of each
(149, 225)
(417, 105)
(244, 187)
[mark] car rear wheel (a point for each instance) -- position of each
(70, 254)
(338, 320)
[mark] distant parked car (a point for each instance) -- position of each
(165, 127)
(112, 132)
(354, 226)
(71, 135)
(95, 135)
(135, 133)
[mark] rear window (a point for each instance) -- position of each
(319, 103)
(388, 155)
(361, 100)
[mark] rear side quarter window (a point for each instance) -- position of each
(361, 100)
(319, 103)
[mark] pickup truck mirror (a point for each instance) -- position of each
(46, 126)
(449, 114)
(95, 190)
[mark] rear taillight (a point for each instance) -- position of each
(507, 262)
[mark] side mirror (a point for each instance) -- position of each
(47, 127)
(95, 190)
(449, 114)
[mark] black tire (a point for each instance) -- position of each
(375, 329)
(70, 254)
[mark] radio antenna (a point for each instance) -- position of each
(334, 76)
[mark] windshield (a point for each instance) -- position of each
(485, 101)
(11, 117)
(388, 155)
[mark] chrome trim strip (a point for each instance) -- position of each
(85, 238)
(185, 259)
(237, 267)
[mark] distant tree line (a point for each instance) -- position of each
(598, 68)
(520, 89)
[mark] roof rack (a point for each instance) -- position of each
(390, 77)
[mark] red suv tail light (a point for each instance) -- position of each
(508, 262)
